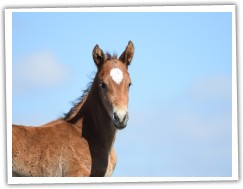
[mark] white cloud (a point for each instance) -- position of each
(39, 69)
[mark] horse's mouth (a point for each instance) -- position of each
(119, 126)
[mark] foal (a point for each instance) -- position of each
(80, 143)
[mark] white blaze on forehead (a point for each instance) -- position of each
(117, 75)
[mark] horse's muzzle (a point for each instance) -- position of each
(119, 121)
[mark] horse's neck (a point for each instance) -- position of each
(93, 120)
(99, 132)
(99, 123)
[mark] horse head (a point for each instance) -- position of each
(114, 83)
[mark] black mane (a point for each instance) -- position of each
(77, 102)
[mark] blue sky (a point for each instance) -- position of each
(180, 101)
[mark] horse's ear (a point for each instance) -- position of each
(127, 55)
(98, 56)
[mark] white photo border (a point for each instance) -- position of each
(42, 180)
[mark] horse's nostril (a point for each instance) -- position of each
(116, 116)
(125, 117)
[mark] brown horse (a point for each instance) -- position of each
(80, 143)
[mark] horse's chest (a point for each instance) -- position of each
(111, 163)
(109, 169)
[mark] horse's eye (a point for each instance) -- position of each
(103, 85)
